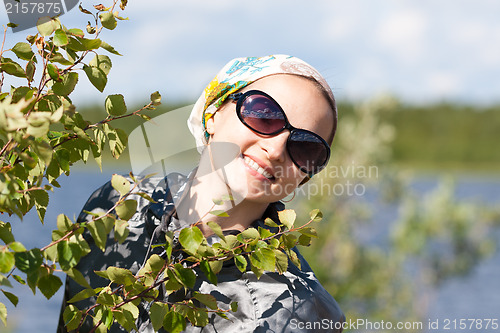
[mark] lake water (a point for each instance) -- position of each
(474, 296)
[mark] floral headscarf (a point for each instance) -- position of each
(237, 74)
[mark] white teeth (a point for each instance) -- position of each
(252, 164)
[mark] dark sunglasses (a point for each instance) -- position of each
(262, 114)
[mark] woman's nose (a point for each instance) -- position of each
(275, 146)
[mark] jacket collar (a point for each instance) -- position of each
(173, 187)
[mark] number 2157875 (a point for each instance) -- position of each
(33, 8)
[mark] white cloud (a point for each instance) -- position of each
(403, 33)
(443, 84)
(419, 50)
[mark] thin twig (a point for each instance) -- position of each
(1, 53)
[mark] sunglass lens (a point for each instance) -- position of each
(307, 150)
(262, 114)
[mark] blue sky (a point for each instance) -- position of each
(419, 51)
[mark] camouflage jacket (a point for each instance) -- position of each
(291, 302)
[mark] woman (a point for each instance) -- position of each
(264, 126)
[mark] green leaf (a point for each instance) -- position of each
(120, 276)
(173, 283)
(60, 38)
(257, 271)
(191, 239)
(234, 306)
(30, 70)
(49, 103)
(156, 98)
(304, 240)
(109, 48)
(219, 212)
(98, 231)
(63, 158)
(248, 235)
(17, 247)
(126, 209)
(107, 319)
(20, 93)
(29, 261)
(316, 215)
(78, 277)
(153, 266)
(289, 240)
(6, 232)
(96, 76)
(121, 231)
(84, 294)
(185, 275)
(294, 258)
(69, 254)
(216, 265)
(53, 72)
(19, 279)
(287, 217)
(59, 58)
(105, 297)
(3, 314)
(281, 261)
(7, 261)
(264, 233)
(174, 322)
(108, 20)
(80, 44)
(4, 281)
(64, 224)
(109, 222)
(71, 317)
(46, 26)
(11, 67)
(231, 242)
(117, 139)
(269, 222)
(51, 252)
(198, 317)
(41, 202)
(126, 319)
(145, 196)
(131, 308)
(66, 85)
(207, 270)
(76, 32)
(241, 262)
(157, 313)
(206, 299)
(264, 259)
(115, 105)
(215, 227)
(218, 202)
(103, 62)
(23, 51)
(32, 279)
(49, 285)
(308, 231)
(12, 298)
(90, 44)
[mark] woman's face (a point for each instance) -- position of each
(264, 171)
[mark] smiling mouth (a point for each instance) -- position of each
(255, 166)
